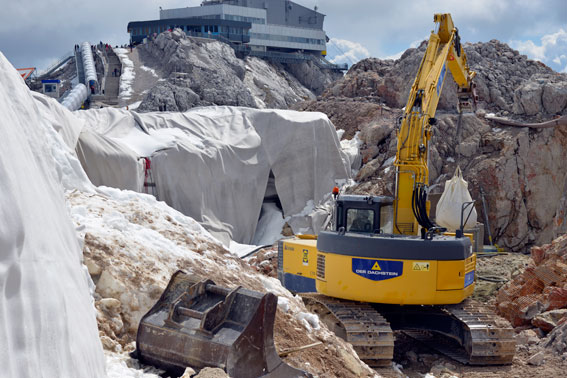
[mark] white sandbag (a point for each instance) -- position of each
(456, 193)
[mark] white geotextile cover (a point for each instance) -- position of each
(213, 163)
(47, 318)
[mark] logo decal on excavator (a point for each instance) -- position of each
(377, 270)
(305, 257)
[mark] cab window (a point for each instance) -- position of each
(360, 220)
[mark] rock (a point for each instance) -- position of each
(207, 72)
(351, 363)
(557, 339)
(554, 97)
(538, 295)
(212, 373)
(527, 337)
(547, 321)
(369, 169)
(411, 356)
(527, 99)
(536, 359)
(537, 254)
(556, 298)
(189, 372)
(93, 268)
(376, 133)
(110, 305)
(312, 77)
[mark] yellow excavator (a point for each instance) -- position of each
(385, 265)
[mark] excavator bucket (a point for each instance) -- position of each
(197, 323)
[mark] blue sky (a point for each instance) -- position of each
(37, 32)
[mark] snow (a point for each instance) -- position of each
(150, 70)
(127, 76)
(283, 304)
(117, 367)
(308, 320)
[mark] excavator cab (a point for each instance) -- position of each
(364, 214)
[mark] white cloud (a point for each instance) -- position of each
(412, 45)
(348, 52)
(550, 51)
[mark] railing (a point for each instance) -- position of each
(58, 63)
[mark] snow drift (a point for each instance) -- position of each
(47, 322)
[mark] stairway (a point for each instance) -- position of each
(112, 86)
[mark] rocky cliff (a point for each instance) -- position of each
(201, 72)
(519, 168)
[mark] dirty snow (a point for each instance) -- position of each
(127, 76)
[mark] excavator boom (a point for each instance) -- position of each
(444, 51)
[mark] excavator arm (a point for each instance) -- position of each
(444, 51)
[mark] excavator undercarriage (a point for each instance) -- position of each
(468, 332)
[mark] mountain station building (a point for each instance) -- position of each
(264, 28)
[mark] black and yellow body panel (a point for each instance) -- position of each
(379, 268)
(297, 264)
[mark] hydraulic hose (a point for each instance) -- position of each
(419, 207)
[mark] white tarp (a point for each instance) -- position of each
(213, 163)
(47, 318)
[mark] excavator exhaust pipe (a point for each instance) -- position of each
(197, 323)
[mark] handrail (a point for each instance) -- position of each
(64, 58)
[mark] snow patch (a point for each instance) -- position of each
(283, 304)
(127, 75)
(150, 70)
(308, 320)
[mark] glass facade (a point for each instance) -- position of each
(252, 20)
(286, 38)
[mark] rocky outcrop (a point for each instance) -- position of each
(202, 72)
(312, 77)
(538, 296)
(519, 168)
(507, 82)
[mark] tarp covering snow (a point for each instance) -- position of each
(213, 163)
(47, 320)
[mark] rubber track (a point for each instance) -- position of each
(488, 338)
(359, 324)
